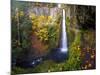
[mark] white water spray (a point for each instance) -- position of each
(63, 44)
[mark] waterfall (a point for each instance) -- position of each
(63, 43)
(59, 54)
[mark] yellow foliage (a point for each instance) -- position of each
(49, 18)
(32, 16)
(41, 17)
(40, 25)
(21, 13)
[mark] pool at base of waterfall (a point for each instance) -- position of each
(58, 55)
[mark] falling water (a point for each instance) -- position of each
(63, 43)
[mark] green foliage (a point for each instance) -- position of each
(67, 21)
(18, 70)
(50, 67)
(74, 61)
(18, 45)
(47, 30)
(53, 32)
